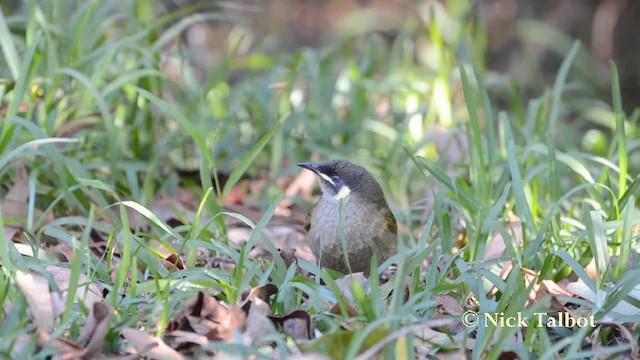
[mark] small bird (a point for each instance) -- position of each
(369, 226)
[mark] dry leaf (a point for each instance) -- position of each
(96, 328)
(150, 346)
(539, 291)
(258, 325)
(19, 192)
(263, 292)
(289, 256)
(623, 308)
(257, 309)
(351, 312)
(626, 337)
(237, 194)
(35, 288)
(187, 338)
(206, 316)
(590, 269)
(233, 322)
(64, 349)
(172, 262)
(87, 292)
(14, 205)
(448, 305)
(345, 285)
(297, 324)
(497, 245)
(62, 251)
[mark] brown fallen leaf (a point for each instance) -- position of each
(297, 324)
(96, 328)
(625, 338)
(590, 269)
(351, 311)
(448, 305)
(497, 246)
(64, 349)
(206, 316)
(233, 322)
(257, 309)
(237, 194)
(624, 308)
(289, 256)
(427, 339)
(22, 108)
(540, 290)
(172, 262)
(35, 288)
(15, 205)
(258, 324)
(71, 128)
(88, 293)
(12, 209)
(345, 285)
(181, 338)
(150, 346)
(19, 192)
(263, 292)
(508, 355)
(62, 251)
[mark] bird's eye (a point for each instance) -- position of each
(335, 178)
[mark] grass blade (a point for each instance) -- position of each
(236, 174)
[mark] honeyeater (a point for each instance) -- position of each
(369, 227)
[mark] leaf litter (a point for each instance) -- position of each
(208, 319)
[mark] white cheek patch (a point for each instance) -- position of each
(343, 193)
(327, 179)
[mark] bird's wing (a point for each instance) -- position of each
(307, 220)
(390, 220)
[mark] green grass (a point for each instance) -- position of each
(103, 129)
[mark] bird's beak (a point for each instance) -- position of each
(316, 169)
(310, 166)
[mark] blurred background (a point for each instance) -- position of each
(522, 40)
(369, 80)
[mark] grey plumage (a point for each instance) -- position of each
(369, 225)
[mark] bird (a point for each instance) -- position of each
(369, 225)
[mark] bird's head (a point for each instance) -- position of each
(340, 179)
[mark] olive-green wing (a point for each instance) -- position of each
(307, 221)
(390, 220)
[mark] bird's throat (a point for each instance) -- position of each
(342, 193)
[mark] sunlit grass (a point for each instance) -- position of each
(102, 129)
